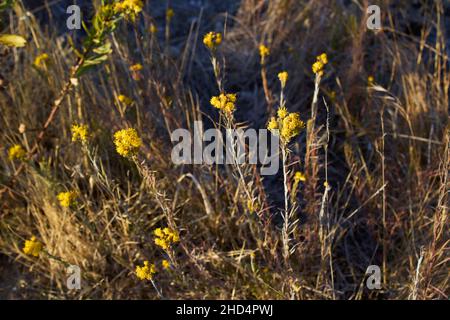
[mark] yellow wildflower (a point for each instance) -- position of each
(212, 40)
(136, 67)
(169, 14)
(67, 199)
(41, 60)
(125, 100)
(166, 264)
(153, 29)
(12, 40)
(224, 102)
(146, 272)
(317, 68)
(370, 81)
(263, 52)
(127, 142)
(165, 237)
(16, 152)
(273, 124)
(291, 126)
(299, 176)
(80, 133)
(32, 247)
(319, 65)
(158, 232)
(282, 113)
(129, 8)
(323, 58)
(162, 243)
(283, 76)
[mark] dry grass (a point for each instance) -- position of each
(387, 156)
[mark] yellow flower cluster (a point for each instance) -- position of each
(165, 264)
(127, 142)
(282, 112)
(169, 14)
(16, 152)
(320, 63)
(136, 67)
(32, 247)
(263, 52)
(129, 8)
(41, 60)
(153, 29)
(67, 199)
(146, 272)
(125, 100)
(225, 102)
(80, 133)
(288, 124)
(283, 77)
(212, 40)
(165, 237)
(299, 176)
(12, 40)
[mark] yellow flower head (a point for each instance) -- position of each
(16, 152)
(125, 100)
(146, 272)
(263, 52)
(80, 133)
(225, 102)
(165, 237)
(169, 14)
(67, 199)
(162, 243)
(212, 40)
(319, 65)
(32, 247)
(283, 76)
(158, 232)
(370, 81)
(153, 29)
(273, 124)
(12, 40)
(288, 124)
(282, 113)
(299, 176)
(129, 8)
(136, 67)
(166, 264)
(41, 60)
(291, 126)
(323, 58)
(127, 142)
